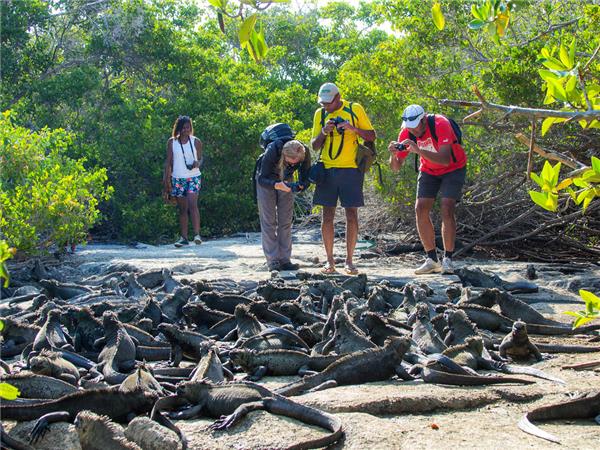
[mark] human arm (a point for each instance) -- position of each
(168, 169)
(268, 169)
(319, 134)
(397, 157)
(362, 126)
(304, 170)
(441, 157)
(198, 145)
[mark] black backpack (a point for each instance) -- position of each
(274, 132)
(431, 125)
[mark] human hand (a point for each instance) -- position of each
(345, 126)
(328, 128)
(281, 186)
(410, 146)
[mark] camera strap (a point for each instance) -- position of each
(183, 153)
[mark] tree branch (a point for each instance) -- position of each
(550, 154)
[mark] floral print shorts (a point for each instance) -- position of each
(183, 186)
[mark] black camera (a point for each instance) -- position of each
(401, 147)
(295, 187)
(190, 166)
(337, 121)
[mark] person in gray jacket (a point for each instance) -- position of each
(275, 197)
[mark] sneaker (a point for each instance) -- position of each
(429, 266)
(197, 239)
(289, 266)
(447, 266)
(181, 242)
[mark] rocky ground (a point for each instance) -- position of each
(391, 414)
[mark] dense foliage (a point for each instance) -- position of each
(46, 198)
(116, 73)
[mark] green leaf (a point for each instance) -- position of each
(476, 24)
(502, 21)
(546, 124)
(559, 91)
(579, 182)
(246, 29)
(535, 177)
(581, 321)
(491, 29)
(438, 16)
(4, 275)
(553, 63)
(596, 164)
(477, 13)
(572, 313)
(1, 325)
(571, 84)
(545, 74)
(590, 297)
(572, 53)
(217, 3)
(8, 391)
(540, 199)
(564, 56)
(547, 172)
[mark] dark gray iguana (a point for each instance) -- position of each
(117, 358)
(231, 402)
(375, 364)
(581, 408)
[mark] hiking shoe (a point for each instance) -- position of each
(197, 239)
(447, 266)
(273, 266)
(429, 266)
(181, 242)
(289, 266)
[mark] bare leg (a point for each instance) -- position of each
(351, 232)
(192, 201)
(424, 224)
(327, 232)
(448, 223)
(182, 207)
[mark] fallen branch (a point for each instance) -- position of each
(551, 154)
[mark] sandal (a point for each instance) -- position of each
(328, 269)
(350, 269)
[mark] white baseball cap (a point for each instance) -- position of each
(327, 92)
(412, 115)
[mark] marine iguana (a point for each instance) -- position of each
(117, 358)
(423, 333)
(517, 345)
(119, 406)
(298, 316)
(247, 323)
(98, 432)
(183, 343)
(223, 302)
(273, 293)
(469, 354)
(172, 306)
(169, 283)
(210, 368)
(52, 364)
(474, 276)
(231, 402)
(258, 364)
(65, 291)
(261, 310)
(347, 337)
(42, 387)
(379, 330)
(374, 364)
(52, 335)
(199, 314)
(581, 408)
(16, 335)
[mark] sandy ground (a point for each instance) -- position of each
(391, 414)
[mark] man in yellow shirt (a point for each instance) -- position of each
(337, 126)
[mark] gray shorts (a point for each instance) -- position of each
(345, 184)
(450, 184)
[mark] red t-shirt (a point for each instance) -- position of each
(445, 135)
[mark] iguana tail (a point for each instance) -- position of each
(525, 425)
(309, 415)
(434, 376)
(523, 370)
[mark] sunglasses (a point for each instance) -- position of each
(411, 118)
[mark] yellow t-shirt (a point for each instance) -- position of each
(331, 145)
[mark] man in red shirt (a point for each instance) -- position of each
(442, 169)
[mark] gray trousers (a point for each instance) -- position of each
(275, 209)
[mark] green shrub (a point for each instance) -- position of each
(46, 198)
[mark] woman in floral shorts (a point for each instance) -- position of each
(182, 176)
